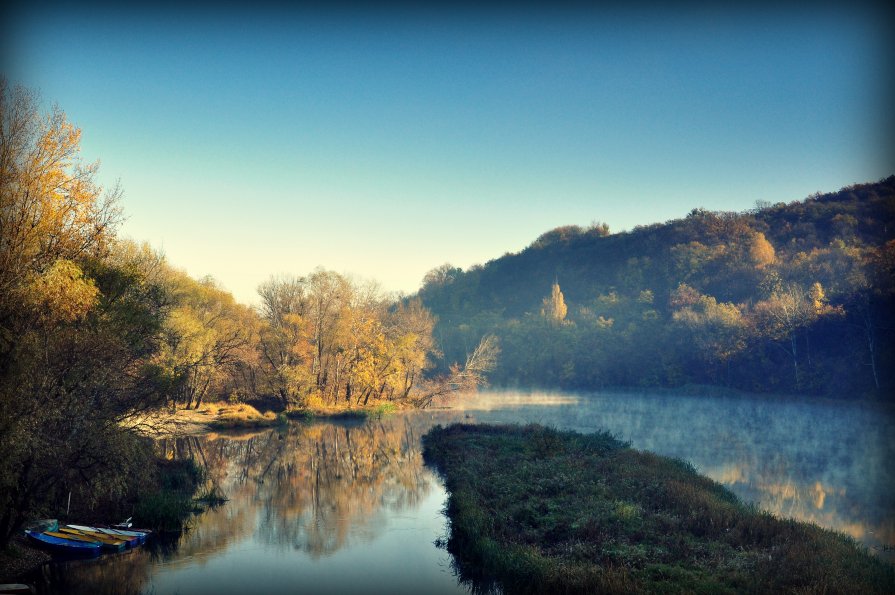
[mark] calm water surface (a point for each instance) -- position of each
(350, 507)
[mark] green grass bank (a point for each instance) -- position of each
(536, 510)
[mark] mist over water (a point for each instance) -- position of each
(826, 462)
(334, 507)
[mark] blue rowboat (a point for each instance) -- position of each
(68, 547)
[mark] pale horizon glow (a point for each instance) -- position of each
(383, 146)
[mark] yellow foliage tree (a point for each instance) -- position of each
(761, 251)
(554, 307)
(50, 205)
(61, 293)
(77, 327)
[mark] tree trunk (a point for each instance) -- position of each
(808, 346)
(408, 385)
(868, 328)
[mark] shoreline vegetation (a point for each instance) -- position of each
(533, 510)
(216, 416)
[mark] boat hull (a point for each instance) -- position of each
(67, 547)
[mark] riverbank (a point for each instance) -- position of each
(163, 505)
(226, 416)
(19, 558)
(537, 510)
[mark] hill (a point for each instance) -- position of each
(790, 297)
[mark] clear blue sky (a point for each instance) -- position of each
(382, 145)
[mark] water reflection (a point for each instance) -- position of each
(322, 486)
(350, 507)
(124, 574)
(825, 462)
(317, 495)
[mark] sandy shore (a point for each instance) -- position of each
(167, 423)
(218, 416)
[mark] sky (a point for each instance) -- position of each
(381, 144)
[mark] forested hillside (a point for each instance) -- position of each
(784, 298)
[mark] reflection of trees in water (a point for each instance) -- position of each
(805, 492)
(333, 482)
(309, 487)
(112, 574)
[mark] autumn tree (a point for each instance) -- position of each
(207, 336)
(554, 307)
(51, 207)
(761, 251)
(719, 331)
(787, 312)
(411, 326)
(286, 338)
(80, 321)
(472, 374)
(330, 341)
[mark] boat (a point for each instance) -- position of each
(71, 536)
(42, 525)
(61, 545)
(127, 524)
(131, 538)
(143, 534)
(108, 542)
(127, 535)
(15, 588)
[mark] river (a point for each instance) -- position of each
(349, 507)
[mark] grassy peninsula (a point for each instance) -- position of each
(535, 510)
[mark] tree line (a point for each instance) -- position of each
(786, 298)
